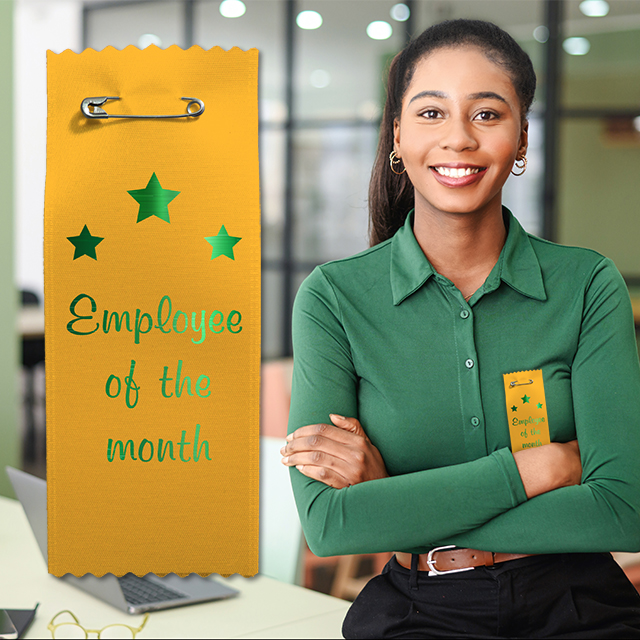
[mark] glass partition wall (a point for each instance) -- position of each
(599, 188)
(321, 92)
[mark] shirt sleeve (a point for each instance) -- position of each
(401, 513)
(603, 512)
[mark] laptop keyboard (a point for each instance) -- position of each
(141, 591)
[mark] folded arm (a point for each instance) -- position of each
(480, 504)
(602, 513)
(398, 513)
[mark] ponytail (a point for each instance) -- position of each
(391, 196)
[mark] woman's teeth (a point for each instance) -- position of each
(456, 173)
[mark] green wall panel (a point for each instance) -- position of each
(9, 438)
(600, 194)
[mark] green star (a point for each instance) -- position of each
(222, 244)
(514, 408)
(85, 244)
(525, 398)
(153, 200)
(539, 405)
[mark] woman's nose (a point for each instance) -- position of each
(458, 135)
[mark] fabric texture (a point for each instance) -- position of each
(382, 337)
(504, 601)
(152, 314)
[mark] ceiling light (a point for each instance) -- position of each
(594, 8)
(232, 8)
(309, 20)
(320, 78)
(400, 12)
(379, 30)
(576, 46)
(148, 38)
(541, 33)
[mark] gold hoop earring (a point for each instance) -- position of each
(522, 166)
(393, 159)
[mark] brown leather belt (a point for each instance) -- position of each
(448, 559)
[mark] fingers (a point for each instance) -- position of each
(338, 454)
(324, 475)
(348, 424)
(335, 442)
(347, 463)
(339, 434)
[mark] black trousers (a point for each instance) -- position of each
(572, 595)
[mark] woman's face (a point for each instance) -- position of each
(460, 131)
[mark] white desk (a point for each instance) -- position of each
(265, 608)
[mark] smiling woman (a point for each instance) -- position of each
(501, 514)
(452, 140)
(464, 135)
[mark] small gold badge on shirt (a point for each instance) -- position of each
(526, 409)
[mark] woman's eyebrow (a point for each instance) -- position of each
(481, 95)
(431, 94)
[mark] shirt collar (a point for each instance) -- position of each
(517, 266)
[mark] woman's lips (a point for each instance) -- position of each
(462, 181)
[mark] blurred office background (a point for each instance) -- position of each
(321, 92)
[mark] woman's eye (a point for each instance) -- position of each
(430, 114)
(486, 116)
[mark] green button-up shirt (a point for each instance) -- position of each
(383, 337)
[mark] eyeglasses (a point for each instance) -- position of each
(73, 630)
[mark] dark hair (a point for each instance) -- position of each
(391, 196)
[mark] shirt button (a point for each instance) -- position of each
(464, 314)
(469, 363)
(475, 421)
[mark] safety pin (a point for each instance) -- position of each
(515, 383)
(97, 112)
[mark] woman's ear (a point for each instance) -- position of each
(396, 137)
(524, 140)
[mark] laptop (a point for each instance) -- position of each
(130, 593)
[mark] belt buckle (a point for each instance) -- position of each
(432, 563)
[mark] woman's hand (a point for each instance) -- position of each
(549, 467)
(339, 455)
